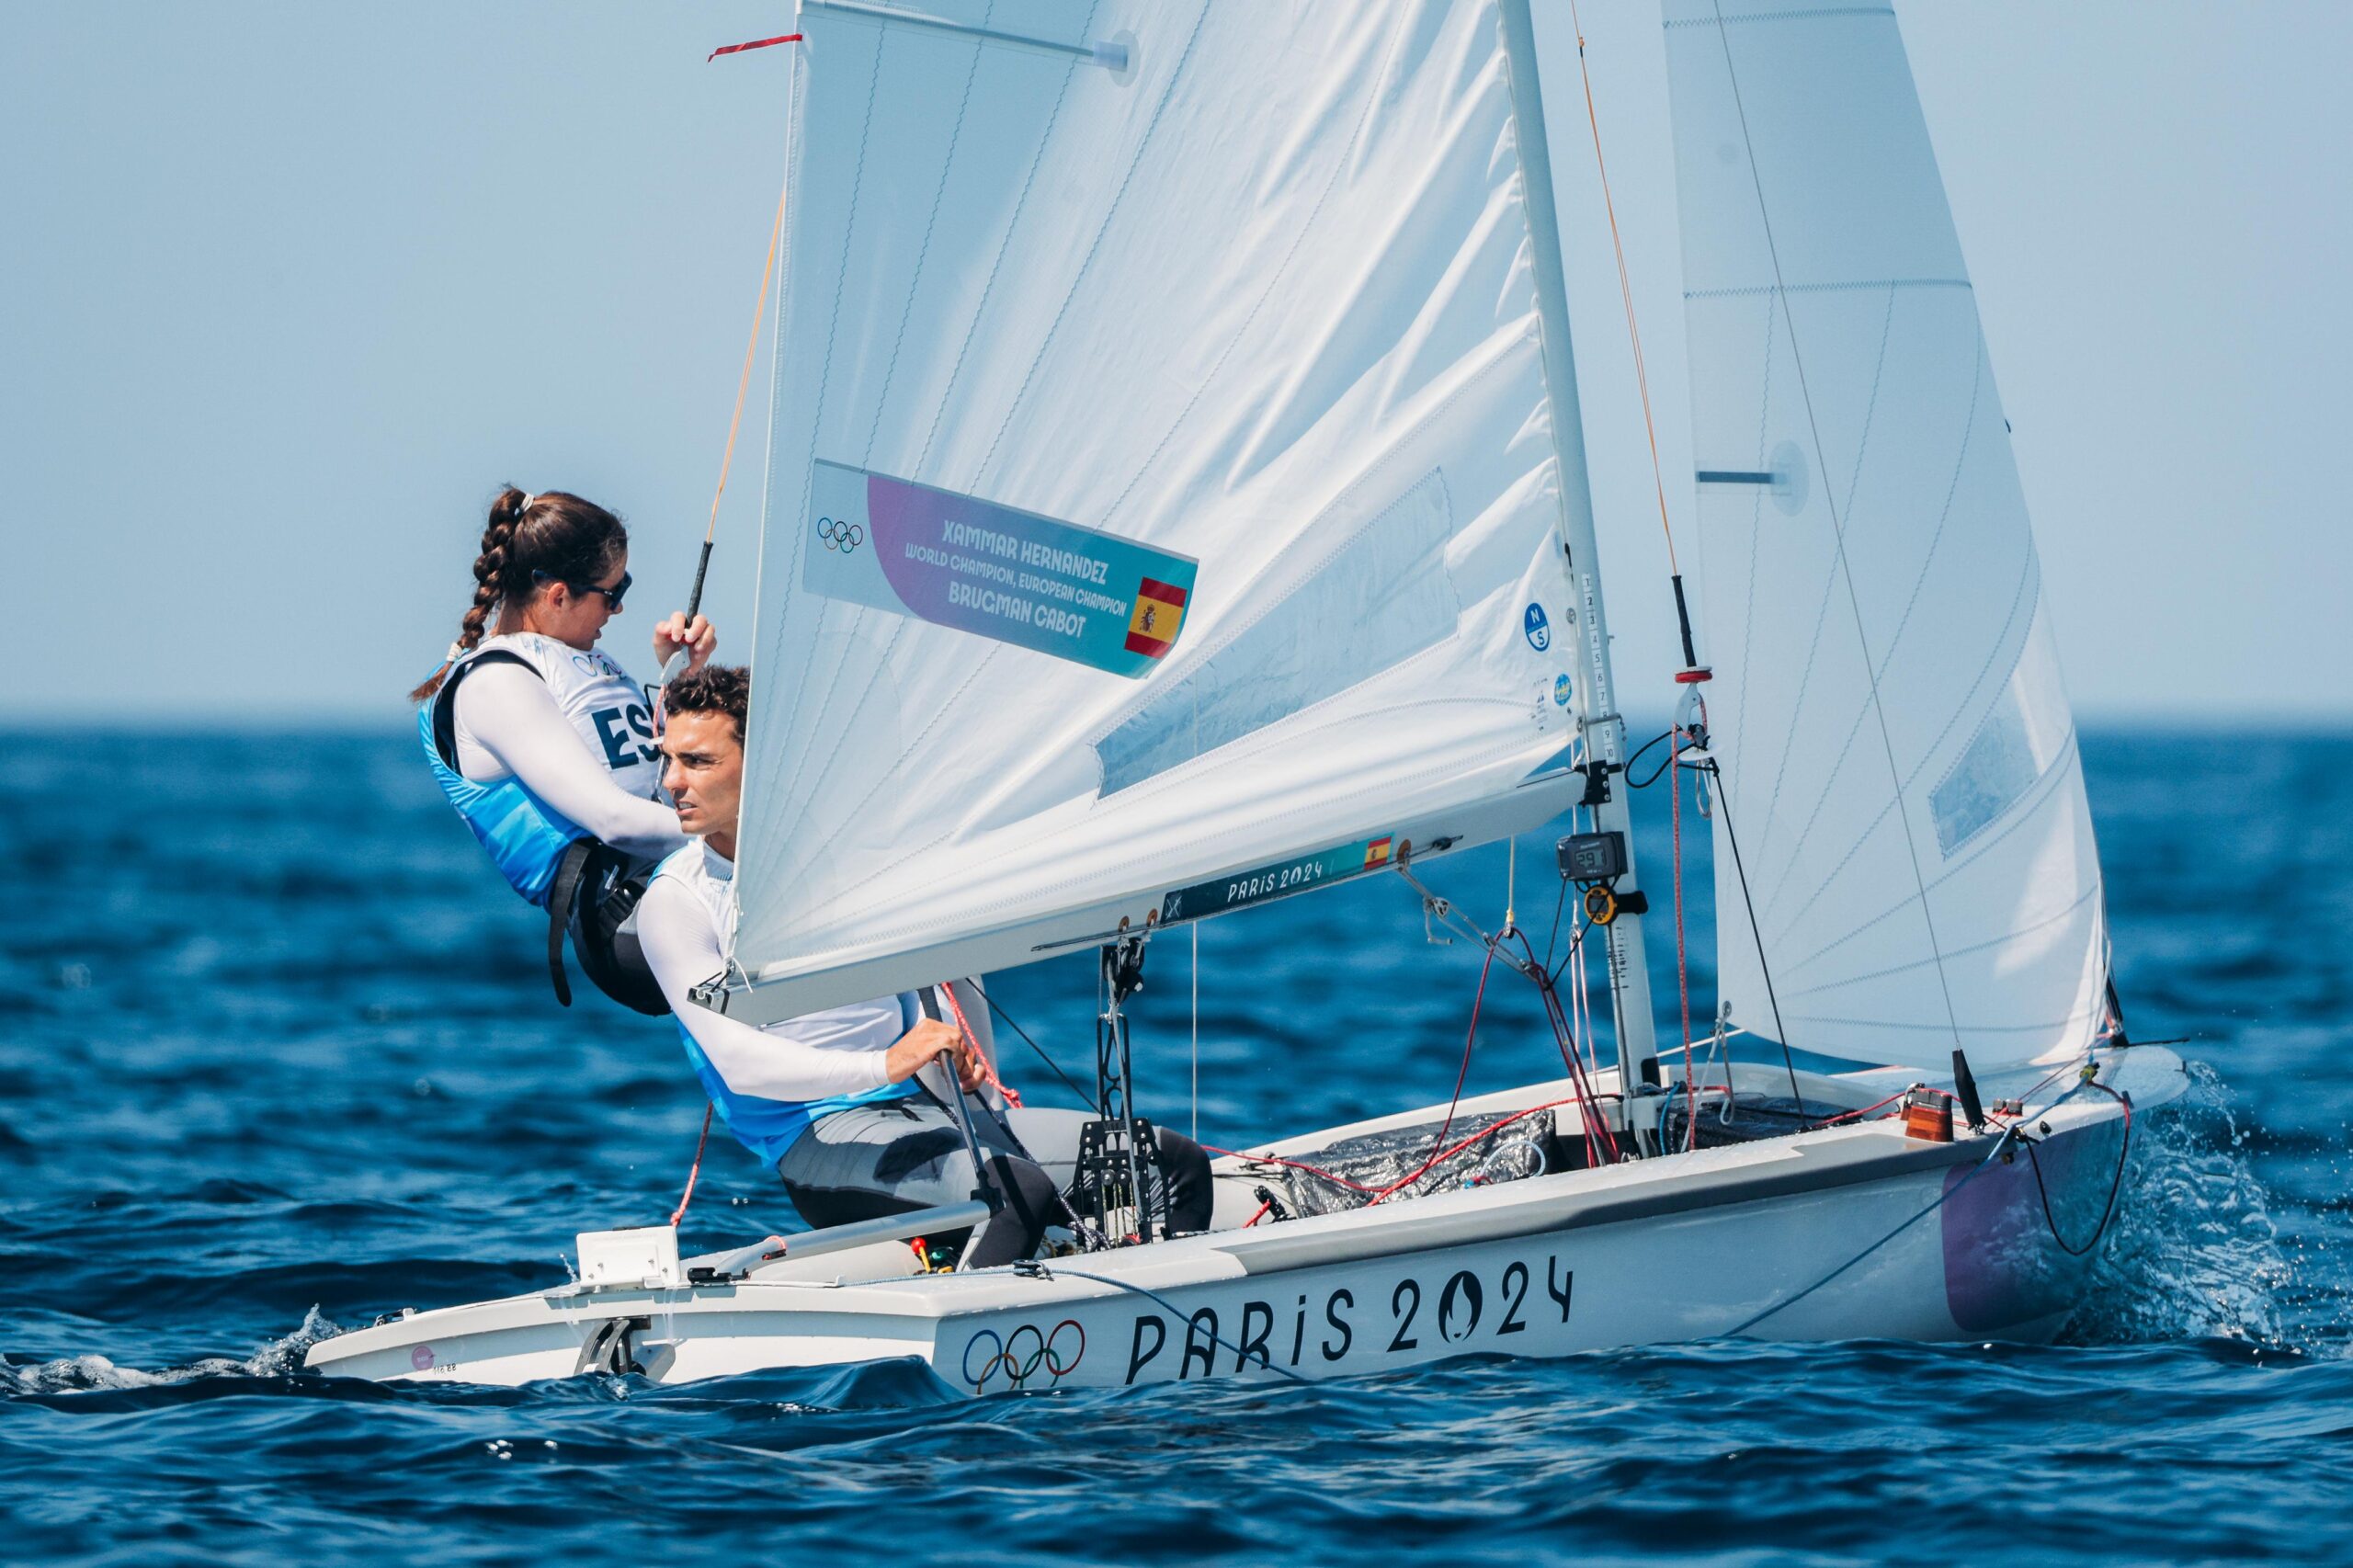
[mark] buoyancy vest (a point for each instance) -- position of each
(767, 1127)
(525, 836)
(544, 856)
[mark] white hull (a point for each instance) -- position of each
(1687, 1246)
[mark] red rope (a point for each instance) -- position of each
(756, 43)
(1580, 1029)
(1438, 1150)
(1294, 1164)
(1601, 1144)
(1866, 1110)
(696, 1171)
(1487, 1130)
(1626, 292)
(1461, 1075)
(988, 1068)
(1379, 1193)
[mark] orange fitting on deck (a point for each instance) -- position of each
(1928, 1115)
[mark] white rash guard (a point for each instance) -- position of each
(682, 925)
(509, 724)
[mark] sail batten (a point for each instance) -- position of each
(1888, 714)
(1164, 500)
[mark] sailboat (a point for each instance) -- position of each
(1177, 501)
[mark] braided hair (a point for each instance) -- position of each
(553, 533)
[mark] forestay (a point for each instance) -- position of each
(1164, 506)
(1899, 762)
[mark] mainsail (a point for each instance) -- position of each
(1899, 765)
(1164, 507)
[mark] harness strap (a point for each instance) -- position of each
(445, 701)
(562, 896)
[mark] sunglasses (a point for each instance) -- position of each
(612, 595)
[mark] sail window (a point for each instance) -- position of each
(1383, 597)
(2017, 740)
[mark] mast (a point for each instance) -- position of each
(1597, 703)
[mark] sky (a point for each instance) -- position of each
(287, 292)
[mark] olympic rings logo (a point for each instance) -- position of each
(840, 533)
(1040, 1361)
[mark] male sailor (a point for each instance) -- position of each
(830, 1100)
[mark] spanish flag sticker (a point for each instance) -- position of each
(1376, 854)
(1159, 611)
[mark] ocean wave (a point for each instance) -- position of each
(2196, 1253)
(99, 1374)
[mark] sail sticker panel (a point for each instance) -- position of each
(1277, 881)
(1011, 576)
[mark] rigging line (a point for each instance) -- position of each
(1552, 939)
(2115, 1185)
(1584, 1037)
(2000, 1143)
(1487, 1131)
(1626, 292)
(1511, 880)
(989, 1078)
(1318, 1171)
(694, 1172)
(1051, 1064)
(1584, 1097)
(743, 381)
(1682, 966)
(676, 662)
(1634, 783)
(1599, 1141)
(1693, 670)
(1764, 964)
(2008, 1134)
(1838, 528)
(1440, 1150)
(1461, 1075)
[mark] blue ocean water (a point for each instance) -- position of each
(277, 1054)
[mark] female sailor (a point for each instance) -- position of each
(545, 745)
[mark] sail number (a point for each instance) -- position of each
(1440, 1315)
